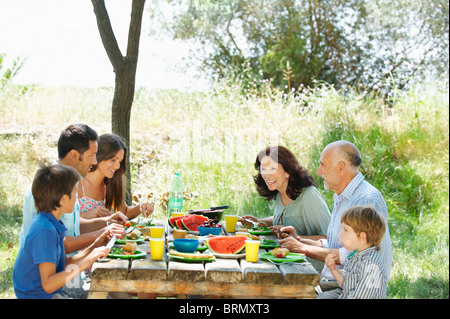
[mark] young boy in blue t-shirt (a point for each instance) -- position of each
(41, 267)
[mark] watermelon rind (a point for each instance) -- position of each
(172, 220)
(226, 244)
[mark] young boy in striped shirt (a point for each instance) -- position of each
(363, 276)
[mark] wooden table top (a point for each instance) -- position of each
(222, 277)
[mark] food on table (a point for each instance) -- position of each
(191, 222)
(226, 244)
(127, 224)
(192, 236)
(145, 231)
(179, 233)
(187, 222)
(269, 242)
(279, 252)
(259, 228)
(243, 230)
(253, 237)
(129, 247)
(196, 255)
(211, 223)
(135, 234)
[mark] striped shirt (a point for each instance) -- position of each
(364, 276)
(357, 192)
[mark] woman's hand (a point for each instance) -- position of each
(118, 217)
(276, 229)
(96, 212)
(247, 220)
(287, 231)
(146, 209)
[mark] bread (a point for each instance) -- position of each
(145, 231)
(130, 247)
(279, 252)
(135, 234)
(196, 255)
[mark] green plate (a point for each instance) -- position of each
(260, 232)
(124, 240)
(291, 257)
(199, 248)
(269, 245)
(192, 260)
(137, 254)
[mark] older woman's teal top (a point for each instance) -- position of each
(308, 213)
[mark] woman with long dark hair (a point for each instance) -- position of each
(104, 184)
(297, 201)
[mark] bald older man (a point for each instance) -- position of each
(339, 167)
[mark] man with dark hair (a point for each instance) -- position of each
(339, 167)
(78, 146)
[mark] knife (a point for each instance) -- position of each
(109, 245)
(111, 242)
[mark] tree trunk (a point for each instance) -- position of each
(125, 70)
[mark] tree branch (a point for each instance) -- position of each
(107, 34)
(134, 31)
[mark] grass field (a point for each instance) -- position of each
(213, 139)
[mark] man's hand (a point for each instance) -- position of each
(292, 244)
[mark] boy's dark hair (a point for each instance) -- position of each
(365, 218)
(75, 137)
(51, 183)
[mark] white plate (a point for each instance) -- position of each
(229, 256)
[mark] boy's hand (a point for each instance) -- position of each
(99, 252)
(330, 261)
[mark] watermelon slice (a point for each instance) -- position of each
(178, 224)
(226, 244)
(191, 222)
(172, 220)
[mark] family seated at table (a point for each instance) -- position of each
(301, 218)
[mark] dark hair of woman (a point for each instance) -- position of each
(299, 178)
(108, 146)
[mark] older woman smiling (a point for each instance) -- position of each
(297, 202)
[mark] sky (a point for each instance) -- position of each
(61, 44)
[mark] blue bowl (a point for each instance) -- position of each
(209, 230)
(185, 245)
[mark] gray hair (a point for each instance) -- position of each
(348, 151)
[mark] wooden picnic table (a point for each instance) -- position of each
(222, 278)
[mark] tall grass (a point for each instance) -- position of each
(213, 139)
